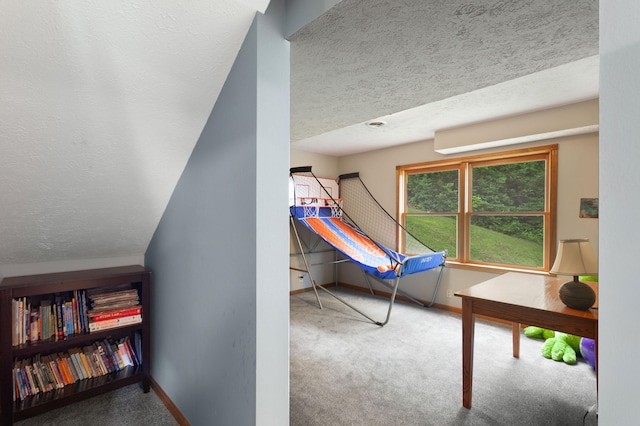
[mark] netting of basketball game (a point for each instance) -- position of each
(338, 212)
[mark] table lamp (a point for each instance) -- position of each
(576, 257)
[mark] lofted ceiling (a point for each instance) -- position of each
(421, 66)
(102, 104)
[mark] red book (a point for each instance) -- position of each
(114, 322)
(118, 313)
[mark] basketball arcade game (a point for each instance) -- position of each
(312, 203)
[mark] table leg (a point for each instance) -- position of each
(595, 341)
(516, 339)
(468, 326)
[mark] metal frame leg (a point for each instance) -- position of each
(407, 295)
(306, 263)
(313, 282)
(393, 287)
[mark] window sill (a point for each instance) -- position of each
(479, 267)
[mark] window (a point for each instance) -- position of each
(491, 210)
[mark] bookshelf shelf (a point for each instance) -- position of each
(29, 349)
(74, 393)
(37, 286)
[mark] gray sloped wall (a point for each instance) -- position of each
(220, 296)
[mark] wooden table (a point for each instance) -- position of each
(521, 299)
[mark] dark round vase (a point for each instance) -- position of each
(577, 295)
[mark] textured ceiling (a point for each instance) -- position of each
(102, 104)
(450, 62)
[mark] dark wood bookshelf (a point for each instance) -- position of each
(45, 284)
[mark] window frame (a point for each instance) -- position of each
(464, 165)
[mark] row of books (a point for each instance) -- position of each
(116, 318)
(47, 373)
(63, 315)
(51, 318)
(110, 298)
(110, 308)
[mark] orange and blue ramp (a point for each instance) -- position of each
(369, 255)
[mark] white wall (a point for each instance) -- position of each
(323, 165)
(578, 178)
(18, 269)
(271, 285)
(378, 172)
(619, 345)
(322, 254)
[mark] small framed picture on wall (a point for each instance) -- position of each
(589, 207)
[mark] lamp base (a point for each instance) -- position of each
(577, 295)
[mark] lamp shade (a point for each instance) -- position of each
(575, 257)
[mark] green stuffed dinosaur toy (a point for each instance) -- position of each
(539, 332)
(558, 346)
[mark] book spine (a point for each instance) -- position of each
(113, 359)
(25, 378)
(114, 322)
(137, 310)
(50, 322)
(59, 319)
(14, 316)
(82, 365)
(61, 369)
(43, 322)
(39, 374)
(25, 323)
(19, 382)
(137, 349)
(19, 322)
(85, 363)
(34, 335)
(85, 312)
(40, 322)
(104, 355)
(36, 378)
(46, 373)
(65, 319)
(91, 361)
(71, 369)
(118, 356)
(135, 358)
(77, 365)
(102, 369)
(67, 323)
(28, 381)
(56, 373)
(49, 382)
(76, 312)
(15, 393)
(125, 354)
(96, 361)
(72, 320)
(64, 371)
